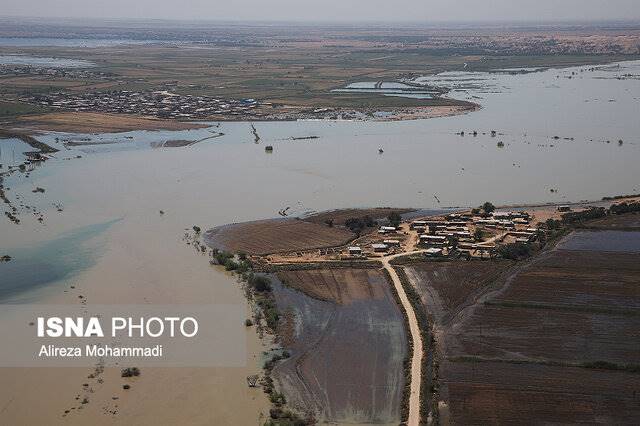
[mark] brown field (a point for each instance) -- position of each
(347, 350)
(446, 287)
(340, 216)
(500, 393)
(524, 347)
(88, 122)
(341, 286)
(276, 236)
(623, 222)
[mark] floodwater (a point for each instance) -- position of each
(387, 89)
(613, 241)
(346, 363)
(140, 257)
(64, 42)
(39, 61)
(12, 152)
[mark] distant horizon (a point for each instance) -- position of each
(79, 19)
(334, 11)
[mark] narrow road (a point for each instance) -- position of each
(416, 358)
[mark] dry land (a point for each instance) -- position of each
(275, 236)
(87, 122)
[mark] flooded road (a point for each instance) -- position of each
(140, 255)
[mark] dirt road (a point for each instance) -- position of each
(416, 358)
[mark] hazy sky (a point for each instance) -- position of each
(333, 10)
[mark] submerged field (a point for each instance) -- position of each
(552, 339)
(346, 337)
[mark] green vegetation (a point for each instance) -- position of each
(592, 213)
(488, 207)
(130, 372)
(13, 109)
(394, 219)
(623, 208)
(260, 283)
(358, 224)
(514, 251)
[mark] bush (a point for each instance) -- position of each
(488, 207)
(260, 283)
(230, 265)
(514, 251)
(592, 213)
(130, 372)
(624, 208)
(394, 219)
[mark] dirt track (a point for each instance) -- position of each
(416, 357)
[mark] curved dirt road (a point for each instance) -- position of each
(416, 358)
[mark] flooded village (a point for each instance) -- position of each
(419, 226)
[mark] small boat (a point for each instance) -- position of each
(380, 150)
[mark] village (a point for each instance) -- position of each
(160, 104)
(473, 234)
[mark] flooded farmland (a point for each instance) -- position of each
(540, 330)
(141, 256)
(346, 337)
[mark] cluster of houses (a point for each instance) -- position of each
(74, 73)
(458, 233)
(161, 104)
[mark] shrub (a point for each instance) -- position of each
(130, 372)
(514, 251)
(488, 207)
(260, 283)
(230, 265)
(394, 219)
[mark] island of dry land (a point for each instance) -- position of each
(255, 72)
(488, 315)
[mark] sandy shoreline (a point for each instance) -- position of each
(95, 122)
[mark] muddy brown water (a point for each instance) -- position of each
(141, 257)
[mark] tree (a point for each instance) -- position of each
(514, 251)
(394, 219)
(488, 208)
(260, 283)
(478, 234)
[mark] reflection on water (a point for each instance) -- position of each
(64, 42)
(12, 152)
(49, 262)
(38, 61)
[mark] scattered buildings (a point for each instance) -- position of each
(161, 104)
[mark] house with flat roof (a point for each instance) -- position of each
(379, 248)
